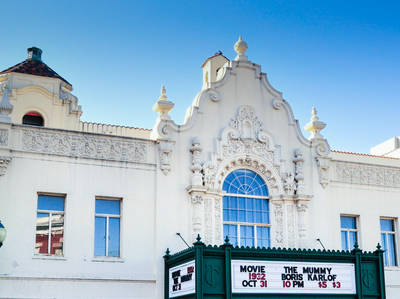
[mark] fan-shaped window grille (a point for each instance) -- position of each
(246, 209)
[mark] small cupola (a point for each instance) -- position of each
(212, 68)
(35, 54)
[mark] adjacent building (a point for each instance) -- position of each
(91, 208)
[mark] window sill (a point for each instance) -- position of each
(48, 257)
(105, 259)
(392, 268)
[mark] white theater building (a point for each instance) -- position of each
(90, 208)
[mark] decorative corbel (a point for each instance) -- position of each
(165, 148)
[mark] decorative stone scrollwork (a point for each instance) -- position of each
(298, 161)
(3, 137)
(165, 151)
(4, 162)
(5, 105)
(354, 173)
(279, 234)
(197, 214)
(277, 103)
(302, 208)
(83, 146)
(288, 183)
(195, 149)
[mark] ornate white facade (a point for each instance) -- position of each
(169, 180)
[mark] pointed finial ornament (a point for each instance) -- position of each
(163, 105)
(315, 126)
(240, 48)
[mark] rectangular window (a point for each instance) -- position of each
(388, 237)
(348, 229)
(107, 227)
(50, 225)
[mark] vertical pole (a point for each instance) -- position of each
(166, 274)
(357, 255)
(379, 253)
(199, 252)
(228, 257)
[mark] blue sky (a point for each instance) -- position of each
(342, 56)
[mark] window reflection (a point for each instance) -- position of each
(50, 220)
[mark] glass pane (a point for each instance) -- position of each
(231, 231)
(266, 218)
(104, 206)
(250, 216)
(233, 215)
(242, 216)
(258, 204)
(387, 225)
(113, 237)
(384, 247)
(353, 239)
(244, 181)
(51, 203)
(242, 204)
(391, 250)
(233, 202)
(263, 237)
(226, 215)
(246, 235)
(100, 236)
(42, 233)
(258, 217)
(57, 234)
(344, 241)
(348, 222)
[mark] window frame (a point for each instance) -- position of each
(395, 239)
(348, 230)
(254, 225)
(50, 212)
(107, 217)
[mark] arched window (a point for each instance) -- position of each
(246, 209)
(33, 119)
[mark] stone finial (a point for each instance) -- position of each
(5, 105)
(315, 126)
(163, 105)
(240, 48)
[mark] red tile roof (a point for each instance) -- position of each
(34, 67)
(365, 155)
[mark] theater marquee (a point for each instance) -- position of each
(249, 276)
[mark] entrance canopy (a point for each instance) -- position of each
(236, 272)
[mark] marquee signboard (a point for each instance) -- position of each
(182, 280)
(292, 277)
(216, 272)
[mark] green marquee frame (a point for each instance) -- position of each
(213, 269)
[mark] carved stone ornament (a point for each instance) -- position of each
(243, 143)
(5, 105)
(354, 173)
(323, 164)
(298, 161)
(3, 137)
(277, 103)
(195, 149)
(83, 146)
(278, 227)
(165, 151)
(4, 162)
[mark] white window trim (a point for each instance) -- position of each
(394, 233)
(253, 224)
(348, 230)
(101, 258)
(48, 255)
